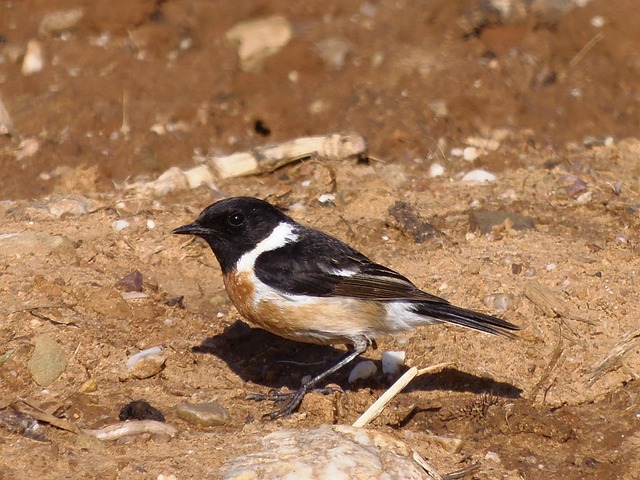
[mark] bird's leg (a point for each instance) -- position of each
(360, 346)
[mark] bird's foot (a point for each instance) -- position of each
(294, 399)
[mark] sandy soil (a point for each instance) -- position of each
(417, 85)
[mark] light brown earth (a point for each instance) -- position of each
(541, 84)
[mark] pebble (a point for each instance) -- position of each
(75, 206)
(132, 282)
(6, 124)
(259, 39)
(392, 361)
(492, 457)
(27, 148)
(48, 360)
(479, 176)
(436, 170)
(60, 20)
(499, 301)
(362, 371)
(337, 452)
(333, 52)
(33, 61)
(470, 154)
(90, 386)
(120, 225)
(146, 363)
(37, 244)
(206, 414)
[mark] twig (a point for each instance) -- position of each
(584, 50)
(374, 410)
(615, 355)
(555, 356)
(26, 408)
(132, 427)
(430, 469)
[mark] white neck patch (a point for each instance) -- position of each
(283, 234)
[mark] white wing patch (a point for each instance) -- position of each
(283, 234)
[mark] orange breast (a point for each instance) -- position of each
(319, 320)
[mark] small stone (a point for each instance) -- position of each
(392, 361)
(409, 222)
(436, 170)
(485, 220)
(48, 360)
(59, 21)
(6, 124)
(492, 457)
(470, 154)
(333, 52)
(479, 176)
(27, 148)
(259, 39)
(37, 244)
(439, 108)
(132, 282)
(362, 371)
(499, 301)
(120, 225)
(206, 414)
(33, 61)
(90, 386)
(75, 205)
(146, 363)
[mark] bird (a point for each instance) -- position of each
(305, 285)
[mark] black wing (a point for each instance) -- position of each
(322, 266)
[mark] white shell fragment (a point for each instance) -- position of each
(392, 361)
(479, 176)
(362, 371)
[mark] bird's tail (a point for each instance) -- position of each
(445, 312)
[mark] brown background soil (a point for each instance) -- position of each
(556, 96)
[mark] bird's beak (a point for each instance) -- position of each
(192, 229)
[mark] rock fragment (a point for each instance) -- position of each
(207, 414)
(326, 452)
(258, 40)
(48, 361)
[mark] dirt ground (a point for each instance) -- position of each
(134, 88)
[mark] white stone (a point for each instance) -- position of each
(362, 371)
(33, 61)
(392, 361)
(479, 176)
(259, 39)
(436, 170)
(470, 154)
(120, 225)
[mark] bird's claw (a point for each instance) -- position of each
(295, 398)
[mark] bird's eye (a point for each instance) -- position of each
(236, 219)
